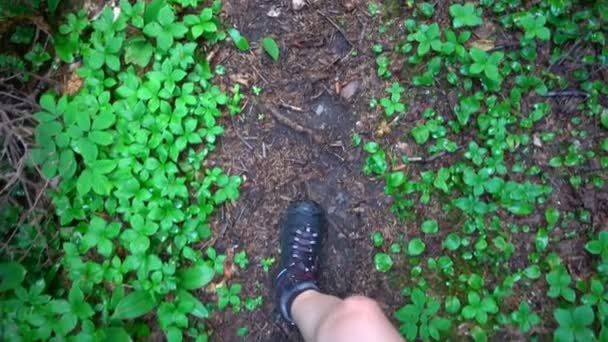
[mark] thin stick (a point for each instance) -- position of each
(422, 160)
(295, 126)
(288, 106)
(570, 93)
(565, 56)
(236, 131)
(338, 28)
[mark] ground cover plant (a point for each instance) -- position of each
(491, 147)
(132, 197)
(491, 155)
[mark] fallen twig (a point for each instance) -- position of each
(288, 106)
(236, 131)
(422, 160)
(503, 47)
(566, 93)
(564, 56)
(336, 26)
(282, 119)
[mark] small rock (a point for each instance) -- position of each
(274, 12)
(298, 4)
(349, 90)
(320, 109)
(536, 141)
(341, 198)
(349, 5)
(404, 149)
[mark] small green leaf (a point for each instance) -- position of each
(239, 41)
(85, 182)
(452, 242)
(135, 304)
(195, 277)
(383, 262)
(115, 334)
(271, 47)
(101, 138)
(532, 272)
(430, 227)
(86, 148)
(416, 247)
(11, 275)
(395, 179)
(552, 216)
(67, 164)
(421, 134)
(138, 51)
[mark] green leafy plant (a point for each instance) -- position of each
(416, 247)
(472, 167)
(420, 318)
(256, 90)
(559, 284)
(392, 104)
(267, 263)
(479, 308)
(375, 163)
(121, 147)
(524, 317)
(165, 29)
(486, 63)
(242, 331)
(465, 15)
(204, 24)
(241, 259)
(430, 227)
(229, 296)
(377, 239)
(253, 303)
(534, 27)
(574, 324)
(599, 246)
(427, 36)
(383, 262)
(239, 41)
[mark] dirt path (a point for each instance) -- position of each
(301, 147)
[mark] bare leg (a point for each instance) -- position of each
(324, 318)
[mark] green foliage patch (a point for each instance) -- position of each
(484, 226)
(133, 191)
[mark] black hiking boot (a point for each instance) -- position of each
(301, 236)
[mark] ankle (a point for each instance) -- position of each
(304, 297)
(289, 288)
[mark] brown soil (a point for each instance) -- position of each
(301, 148)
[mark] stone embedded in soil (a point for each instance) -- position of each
(298, 4)
(274, 12)
(350, 89)
(319, 109)
(349, 5)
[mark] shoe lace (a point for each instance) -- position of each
(304, 240)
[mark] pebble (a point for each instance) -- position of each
(298, 4)
(349, 5)
(536, 141)
(274, 12)
(320, 109)
(349, 90)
